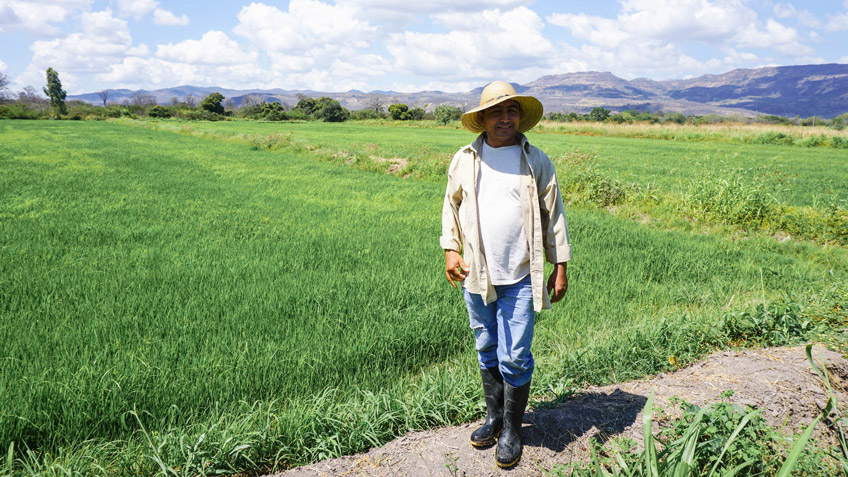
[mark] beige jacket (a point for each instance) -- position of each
(541, 206)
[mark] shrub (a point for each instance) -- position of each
(399, 111)
(297, 113)
(772, 137)
(446, 113)
(813, 141)
(159, 111)
(18, 111)
(364, 114)
(839, 142)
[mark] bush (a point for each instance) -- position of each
(18, 111)
(813, 141)
(839, 142)
(445, 113)
(772, 137)
(360, 114)
(399, 111)
(159, 111)
(298, 114)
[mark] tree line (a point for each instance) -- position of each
(29, 104)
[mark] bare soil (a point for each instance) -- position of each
(778, 381)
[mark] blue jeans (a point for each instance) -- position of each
(504, 330)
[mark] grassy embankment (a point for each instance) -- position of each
(236, 302)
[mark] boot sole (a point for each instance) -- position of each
(507, 465)
(486, 443)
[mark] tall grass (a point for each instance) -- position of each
(724, 132)
(190, 305)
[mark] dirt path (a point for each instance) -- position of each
(779, 381)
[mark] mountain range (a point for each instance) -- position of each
(804, 90)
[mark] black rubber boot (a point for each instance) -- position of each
(493, 391)
(509, 444)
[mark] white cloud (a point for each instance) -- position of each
(837, 23)
(135, 8)
(38, 16)
(783, 39)
(103, 39)
(166, 18)
(434, 6)
(308, 24)
(3, 67)
(495, 43)
(787, 10)
(150, 73)
(648, 36)
(313, 43)
(214, 48)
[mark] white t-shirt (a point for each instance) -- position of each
(504, 242)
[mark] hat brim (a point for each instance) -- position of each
(531, 113)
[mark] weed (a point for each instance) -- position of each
(773, 324)
(729, 197)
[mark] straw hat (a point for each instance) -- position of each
(497, 92)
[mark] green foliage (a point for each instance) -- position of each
(813, 141)
(306, 104)
(730, 197)
(773, 137)
(721, 439)
(19, 111)
(159, 111)
(54, 91)
(446, 113)
(599, 114)
(330, 110)
(773, 324)
(363, 114)
(582, 182)
(399, 112)
(139, 236)
(212, 103)
(273, 112)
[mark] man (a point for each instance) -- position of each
(502, 218)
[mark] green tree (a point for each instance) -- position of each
(599, 114)
(273, 112)
(416, 114)
(212, 103)
(399, 111)
(55, 92)
(306, 104)
(446, 113)
(330, 110)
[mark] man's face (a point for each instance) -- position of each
(501, 123)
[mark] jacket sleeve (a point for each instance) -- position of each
(451, 238)
(554, 224)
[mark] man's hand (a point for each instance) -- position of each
(558, 282)
(455, 267)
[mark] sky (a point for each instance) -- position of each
(405, 46)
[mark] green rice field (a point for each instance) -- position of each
(197, 298)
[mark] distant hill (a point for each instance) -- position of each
(807, 90)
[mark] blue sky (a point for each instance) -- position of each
(449, 45)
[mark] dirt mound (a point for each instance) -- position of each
(779, 381)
